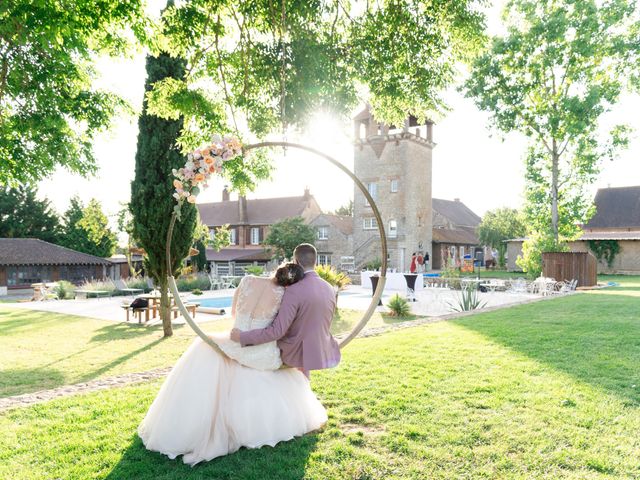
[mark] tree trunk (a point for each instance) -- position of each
(555, 158)
(165, 308)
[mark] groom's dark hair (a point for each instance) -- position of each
(305, 255)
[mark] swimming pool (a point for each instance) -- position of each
(216, 302)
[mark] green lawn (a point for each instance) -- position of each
(547, 390)
(40, 350)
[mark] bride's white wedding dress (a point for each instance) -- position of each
(211, 405)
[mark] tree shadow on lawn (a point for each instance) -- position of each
(114, 363)
(18, 381)
(28, 320)
(285, 461)
(593, 338)
(123, 331)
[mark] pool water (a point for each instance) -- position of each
(217, 302)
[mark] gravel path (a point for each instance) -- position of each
(92, 386)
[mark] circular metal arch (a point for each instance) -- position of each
(383, 242)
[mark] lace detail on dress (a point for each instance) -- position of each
(257, 303)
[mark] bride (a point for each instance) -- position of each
(211, 404)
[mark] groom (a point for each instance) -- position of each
(303, 321)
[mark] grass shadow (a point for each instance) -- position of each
(27, 320)
(19, 381)
(593, 338)
(341, 323)
(114, 363)
(123, 331)
(285, 461)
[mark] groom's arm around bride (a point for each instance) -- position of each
(302, 326)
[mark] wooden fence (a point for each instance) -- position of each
(580, 266)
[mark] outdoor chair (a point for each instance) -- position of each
(122, 287)
(519, 286)
(227, 282)
(215, 281)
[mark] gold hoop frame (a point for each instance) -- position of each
(383, 241)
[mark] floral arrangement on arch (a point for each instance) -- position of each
(201, 164)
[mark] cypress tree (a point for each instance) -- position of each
(152, 188)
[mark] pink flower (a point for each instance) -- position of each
(191, 199)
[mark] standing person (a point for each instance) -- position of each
(412, 267)
(302, 327)
(420, 262)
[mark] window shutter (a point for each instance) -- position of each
(261, 235)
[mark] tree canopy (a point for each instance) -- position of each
(86, 229)
(286, 235)
(255, 65)
(561, 65)
(500, 225)
(22, 215)
(50, 106)
(152, 202)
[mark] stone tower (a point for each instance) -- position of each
(395, 165)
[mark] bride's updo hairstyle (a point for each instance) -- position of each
(288, 274)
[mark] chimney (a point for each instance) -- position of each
(242, 208)
(307, 193)
(430, 131)
(456, 199)
(225, 194)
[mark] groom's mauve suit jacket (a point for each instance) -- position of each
(302, 326)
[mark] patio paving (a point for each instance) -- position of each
(431, 302)
(109, 308)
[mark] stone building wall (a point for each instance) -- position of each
(338, 244)
(405, 157)
(625, 262)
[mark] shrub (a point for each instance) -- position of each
(338, 280)
(256, 270)
(187, 283)
(373, 265)
(532, 250)
(197, 291)
(64, 290)
(468, 300)
(106, 285)
(451, 276)
(399, 307)
(334, 278)
(137, 282)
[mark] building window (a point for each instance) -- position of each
(324, 259)
(255, 236)
(393, 229)
(232, 237)
(394, 185)
(369, 223)
(372, 188)
(323, 233)
(28, 274)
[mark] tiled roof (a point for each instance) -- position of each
(464, 236)
(261, 211)
(616, 208)
(611, 235)
(457, 212)
(31, 251)
(237, 254)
